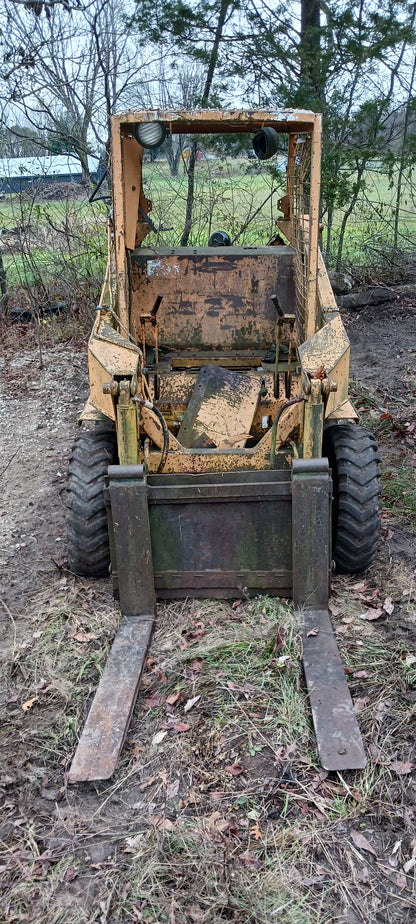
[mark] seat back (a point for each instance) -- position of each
(213, 298)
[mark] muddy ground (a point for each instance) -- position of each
(71, 853)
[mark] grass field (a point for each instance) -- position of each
(56, 250)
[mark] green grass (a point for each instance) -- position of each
(54, 250)
(227, 194)
(58, 250)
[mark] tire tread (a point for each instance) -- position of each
(353, 458)
(86, 517)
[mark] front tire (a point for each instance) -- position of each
(86, 518)
(352, 454)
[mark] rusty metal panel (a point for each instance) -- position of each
(329, 349)
(103, 735)
(225, 532)
(336, 727)
(221, 409)
(185, 121)
(212, 297)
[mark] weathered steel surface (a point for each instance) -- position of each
(242, 359)
(220, 120)
(212, 296)
(311, 498)
(132, 539)
(329, 349)
(338, 735)
(313, 422)
(223, 584)
(221, 409)
(225, 532)
(104, 732)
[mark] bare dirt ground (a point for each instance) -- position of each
(219, 810)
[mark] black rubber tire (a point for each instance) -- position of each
(352, 454)
(86, 519)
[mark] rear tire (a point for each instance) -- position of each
(86, 518)
(352, 454)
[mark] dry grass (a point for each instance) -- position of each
(218, 812)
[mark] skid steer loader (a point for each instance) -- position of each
(219, 453)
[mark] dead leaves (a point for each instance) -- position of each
(235, 769)
(255, 832)
(180, 727)
(361, 842)
(375, 606)
(193, 635)
(217, 824)
(245, 689)
(389, 866)
(191, 703)
(161, 822)
(371, 615)
(29, 703)
(158, 738)
(84, 636)
(361, 704)
(402, 768)
(173, 699)
(174, 728)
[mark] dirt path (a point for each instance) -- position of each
(228, 817)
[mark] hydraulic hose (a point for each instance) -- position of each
(160, 417)
(279, 414)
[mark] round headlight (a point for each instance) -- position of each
(150, 134)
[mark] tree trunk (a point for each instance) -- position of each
(173, 156)
(349, 211)
(329, 223)
(402, 162)
(213, 59)
(83, 156)
(3, 284)
(190, 195)
(310, 48)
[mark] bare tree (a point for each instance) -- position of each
(65, 69)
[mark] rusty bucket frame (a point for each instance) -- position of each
(216, 521)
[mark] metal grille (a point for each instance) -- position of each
(301, 201)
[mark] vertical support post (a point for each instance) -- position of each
(131, 526)
(311, 504)
(315, 185)
(127, 431)
(119, 224)
(290, 173)
(313, 426)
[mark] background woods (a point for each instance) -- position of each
(66, 66)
